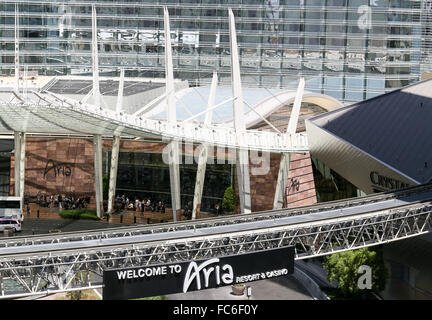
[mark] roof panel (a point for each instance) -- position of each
(394, 128)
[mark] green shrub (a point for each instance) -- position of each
(152, 298)
(229, 201)
(87, 214)
(343, 267)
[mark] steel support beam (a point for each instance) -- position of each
(282, 181)
(203, 155)
(173, 145)
(97, 146)
(242, 154)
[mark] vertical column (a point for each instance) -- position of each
(281, 184)
(17, 162)
(242, 154)
(202, 160)
(119, 105)
(115, 148)
(97, 146)
(95, 59)
(173, 146)
(22, 168)
(113, 172)
(16, 49)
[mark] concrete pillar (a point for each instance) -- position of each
(95, 60)
(243, 180)
(113, 172)
(173, 146)
(115, 148)
(16, 49)
(242, 154)
(284, 167)
(199, 182)
(281, 184)
(119, 105)
(203, 155)
(97, 145)
(174, 171)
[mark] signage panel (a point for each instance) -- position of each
(153, 280)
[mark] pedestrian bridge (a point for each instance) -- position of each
(72, 261)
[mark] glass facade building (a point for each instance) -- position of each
(349, 49)
(6, 147)
(144, 175)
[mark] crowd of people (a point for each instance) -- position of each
(67, 202)
(61, 201)
(140, 205)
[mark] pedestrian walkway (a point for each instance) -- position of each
(124, 217)
(34, 226)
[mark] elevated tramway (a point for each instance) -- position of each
(29, 268)
(341, 208)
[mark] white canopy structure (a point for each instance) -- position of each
(26, 111)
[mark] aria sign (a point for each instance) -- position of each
(58, 168)
(183, 277)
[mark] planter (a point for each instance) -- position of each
(238, 290)
(7, 232)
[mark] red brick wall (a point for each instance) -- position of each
(75, 153)
(263, 186)
(301, 170)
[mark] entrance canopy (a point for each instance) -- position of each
(49, 113)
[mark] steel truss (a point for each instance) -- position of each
(81, 269)
(206, 223)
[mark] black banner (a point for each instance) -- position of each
(154, 280)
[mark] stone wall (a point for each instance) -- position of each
(301, 185)
(300, 190)
(58, 165)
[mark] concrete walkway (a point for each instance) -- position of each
(43, 226)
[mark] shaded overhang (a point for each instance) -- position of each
(381, 143)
